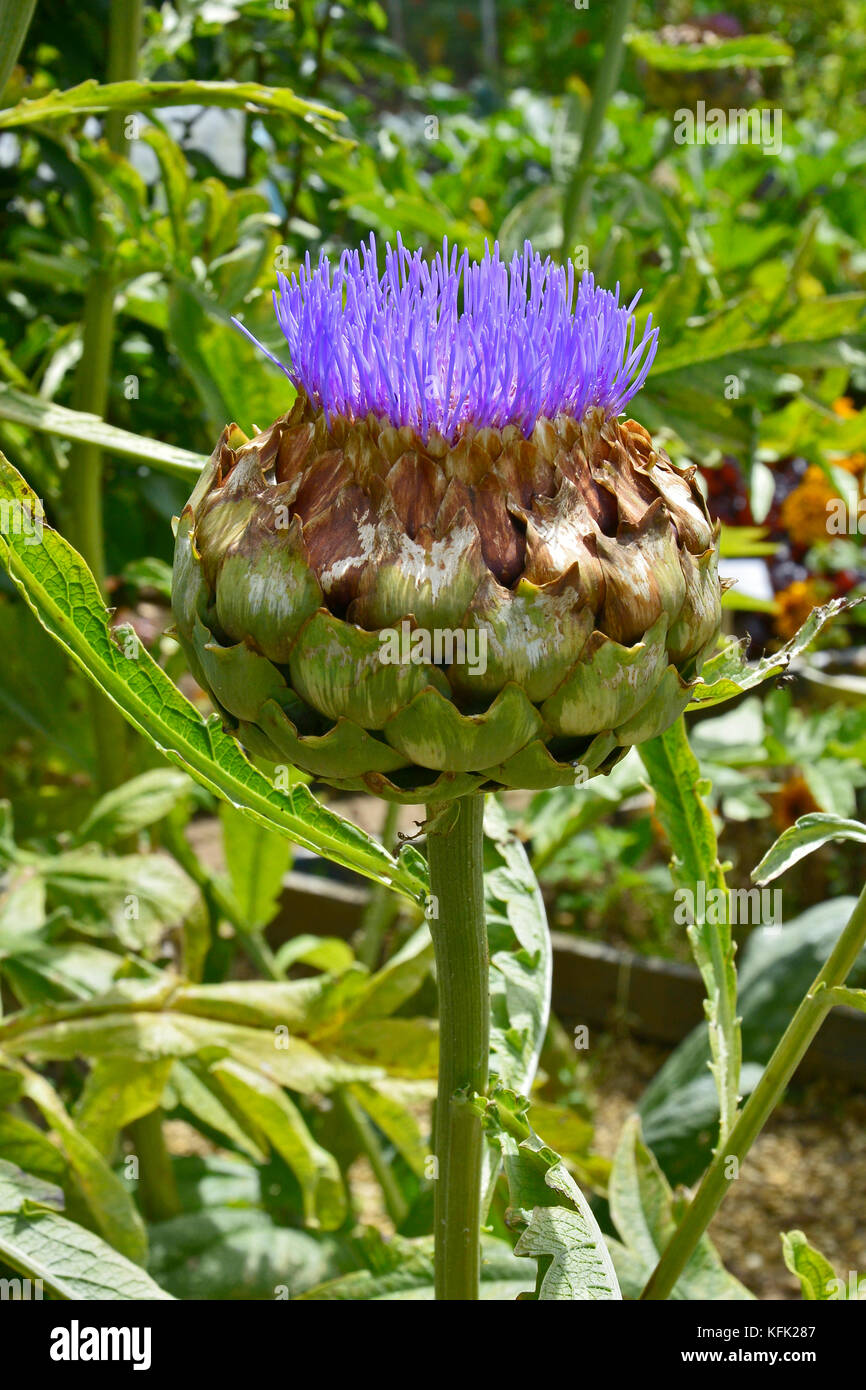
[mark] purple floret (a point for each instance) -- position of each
(441, 344)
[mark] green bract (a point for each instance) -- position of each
(422, 619)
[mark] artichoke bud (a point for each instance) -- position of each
(420, 585)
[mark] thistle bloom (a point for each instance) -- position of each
(451, 565)
(458, 343)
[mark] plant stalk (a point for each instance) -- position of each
(382, 907)
(219, 902)
(395, 1202)
(760, 1105)
(605, 85)
(157, 1189)
(455, 847)
(90, 390)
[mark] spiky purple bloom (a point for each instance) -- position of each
(454, 341)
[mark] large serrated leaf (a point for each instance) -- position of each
(569, 1238)
(135, 805)
(521, 965)
(559, 1228)
(116, 1092)
(161, 1033)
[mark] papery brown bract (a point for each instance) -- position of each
(582, 553)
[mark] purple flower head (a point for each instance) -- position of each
(449, 342)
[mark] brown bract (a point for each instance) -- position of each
(580, 558)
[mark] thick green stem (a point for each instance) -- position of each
(603, 89)
(15, 17)
(455, 851)
(157, 1189)
(789, 1053)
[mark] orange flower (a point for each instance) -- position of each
(804, 511)
(794, 605)
(845, 407)
(792, 801)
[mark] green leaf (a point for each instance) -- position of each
(679, 1109)
(675, 778)
(148, 1036)
(30, 1148)
(728, 674)
(49, 418)
(135, 805)
(521, 960)
(405, 1047)
(91, 98)
(258, 860)
(580, 1266)
(559, 1228)
(116, 1092)
(396, 1122)
(521, 965)
(107, 1196)
(277, 1117)
(72, 1263)
(817, 1276)
(743, 542)
(193, 1088)
(62, 593)
(746, 50)
(238, 1253)
(301, 1006)
(645, 1215)
(330, 953)
(18, 1189)
(405, 1273)
(809, 833)
(134, 897)
(400, 977)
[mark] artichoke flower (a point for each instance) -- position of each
(451, 566)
